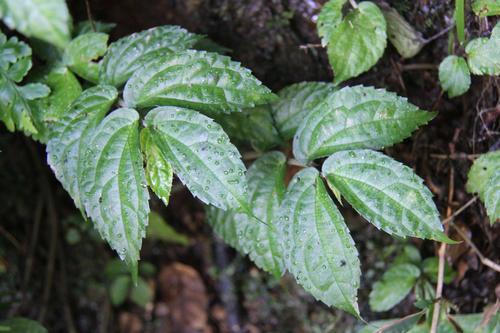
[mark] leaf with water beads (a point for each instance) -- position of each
(115, 194)
(201, 155)
(319, 250)
(385, 192)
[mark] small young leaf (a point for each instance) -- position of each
(200, 154)
(407, 41)
(82, 51)
(69, 134)
(141, 294)
(356, 43)
(48, 20)
(475, 322)
(197, 80)
(319, 250)
(346, 121)
(112, 177)
(159, 173)
(430, 267)
(385, 192)
(484, 179)
(32, 91)
(395, 284)
(21, 325)
(454, 75)
(482, 54)
(159, 229)
(296, 101)
(484, 8)
(84, 27)
(254, 126)
(266, 188)
(224, 224)
(409, 255)
(119, 289)
(125, 55)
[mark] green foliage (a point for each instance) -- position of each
(482, 54)
(122, 288)
(224, 224)
(21, 325)
(159, 229)
(197, 80)
(354, 42)
(484, 179)
(486, 7)
(81, 51)
(454, 75)
(48, 20)
(359, 117)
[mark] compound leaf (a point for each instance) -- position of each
(48, 20)
(454, 75)
(224, 224)
(486, 7)
(197, 80)
(385, 192)
(357, 42)
(358, 117)
(266, 188)
(482, 54)
(159, 172)
(70, 133)
(484, 179)
(319, 250)
(395, 284)
(114, 186)
(295, 102)
(125, 55)
(200, 154)
(81, 53)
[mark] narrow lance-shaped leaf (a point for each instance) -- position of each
(356, 43)
(82, 51)
(48, 20)
(224, 224)
(70, 134)
(125, 55)
(454, 75)
(260, 238)
(358, 117)
(385, 192)
(319, 250)
(395, 284)
(159, 173)
(197, 80)
(200, 154)
(295, 103)
(115, 192)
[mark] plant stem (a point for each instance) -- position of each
(353, 4)
(460, 20)
(89, 14)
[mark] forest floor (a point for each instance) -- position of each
(52, 264)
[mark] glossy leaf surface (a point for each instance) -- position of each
(454, 75)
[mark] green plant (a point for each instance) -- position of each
(121, 287)
(156, 105)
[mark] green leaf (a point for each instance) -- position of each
(430, 267)
(395, 284)
(160, 230)
(197, 80)
(398, 325)
(484, 179)
(119, 289)
(84, 27)
(266, 188)
(112, 177)
(68, 143)
(484, 8)
(357, 42)
(81, 53)
(319, 250)
(409, 255)
(22, 325)
(32, 91)
(159, 173)
(48, 20)
(200, 154)
(385, 192)
(125, 55)
(454, 75)
(254, 126)
(407, 41)
(141, 294)
(482, 54)
(295, 103)
(473, 323)
(358, 117)
(224, 224)
(64, 89)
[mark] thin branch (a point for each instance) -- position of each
(89, 14)
(11, 239)
(310, 46)
(456, 156)
(412, 67)
(439, 34)
(353, 4)
(459, 211)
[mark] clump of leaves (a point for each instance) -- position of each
(121, 287)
